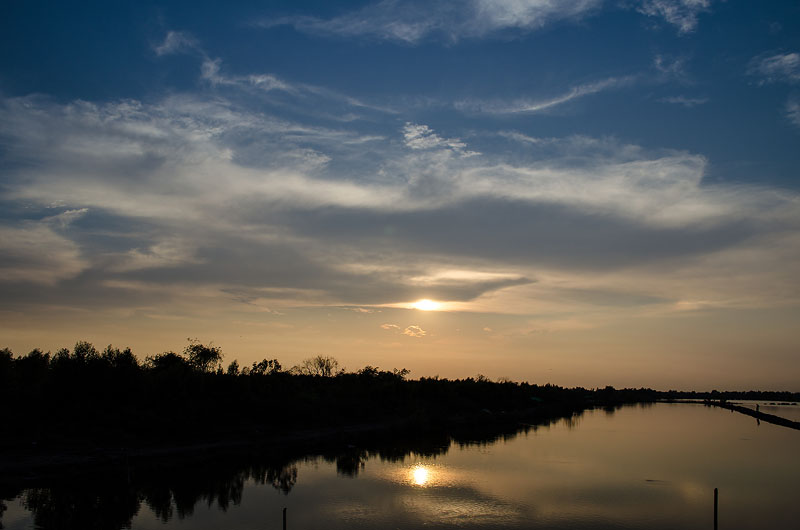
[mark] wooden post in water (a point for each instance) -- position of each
(716, 497)
(715, 516)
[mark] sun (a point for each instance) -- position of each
(426, 305)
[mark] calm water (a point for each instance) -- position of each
(638, 467)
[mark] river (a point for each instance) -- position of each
(648, 467)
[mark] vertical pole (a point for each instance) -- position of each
(716, 497)
(284, 517)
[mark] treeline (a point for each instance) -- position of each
(109, 397)
(112, 399)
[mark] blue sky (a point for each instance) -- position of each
(579, 184)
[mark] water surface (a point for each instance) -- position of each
(643, 467)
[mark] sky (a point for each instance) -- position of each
(586, 192)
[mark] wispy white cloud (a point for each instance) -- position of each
(494, 15)
(413, 21)
(66, 218)
(174, 149)
(783, 67)
(40, 251)
(779, 68)
(415, 331)
(671, 69)
(177, 42)
(538, 105)
(410, 331)
(268, 82)
(167, 253)
(683, 14)
(172, 157)
(684, 101)
(793, 111)
(192, 143)
(211, 71)
(423, 137)
(363, 310)
(519, 137)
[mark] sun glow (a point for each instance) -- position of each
(426, 305)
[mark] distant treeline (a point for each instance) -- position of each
(110, 398)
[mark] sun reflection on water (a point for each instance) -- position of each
(421, 475)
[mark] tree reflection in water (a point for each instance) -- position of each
(111, 498)
(72, 506)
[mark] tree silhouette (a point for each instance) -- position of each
(265, 367)
(120, 359)
(233, 368)
(203, 358)
(166, 361)
(320, 366)
(84, 351)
